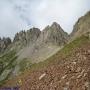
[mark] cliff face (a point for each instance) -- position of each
(82, 26)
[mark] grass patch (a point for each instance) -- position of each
(67, 50)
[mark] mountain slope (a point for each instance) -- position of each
(68, 69)
(62, 71)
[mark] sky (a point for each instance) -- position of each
(17, 15)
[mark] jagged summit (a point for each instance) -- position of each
(27, 34)
(54, 34)
(25, 38)
(82, 26)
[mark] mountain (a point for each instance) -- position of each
(82, 26)
(50, 40)
(29, 47)
(54, 34)
(68, 69)
(51, 62)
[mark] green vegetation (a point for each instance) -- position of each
(74, 44)
(7, 60)
(24, 65)
(7, 64)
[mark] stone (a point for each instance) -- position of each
(42, 76)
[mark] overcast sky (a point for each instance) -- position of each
(16, 15)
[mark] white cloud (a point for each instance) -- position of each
(21, 14)
(64, 12)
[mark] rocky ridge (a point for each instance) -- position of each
(26, 38)
(82, 26)
(54, 34)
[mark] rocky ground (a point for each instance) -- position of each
(66, 73)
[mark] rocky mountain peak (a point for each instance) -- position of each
(54, 34)
(82, 26)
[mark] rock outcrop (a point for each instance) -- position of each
(53, 34)
(4, 43)
(62, 72)
(25, 38)
(82, 26)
